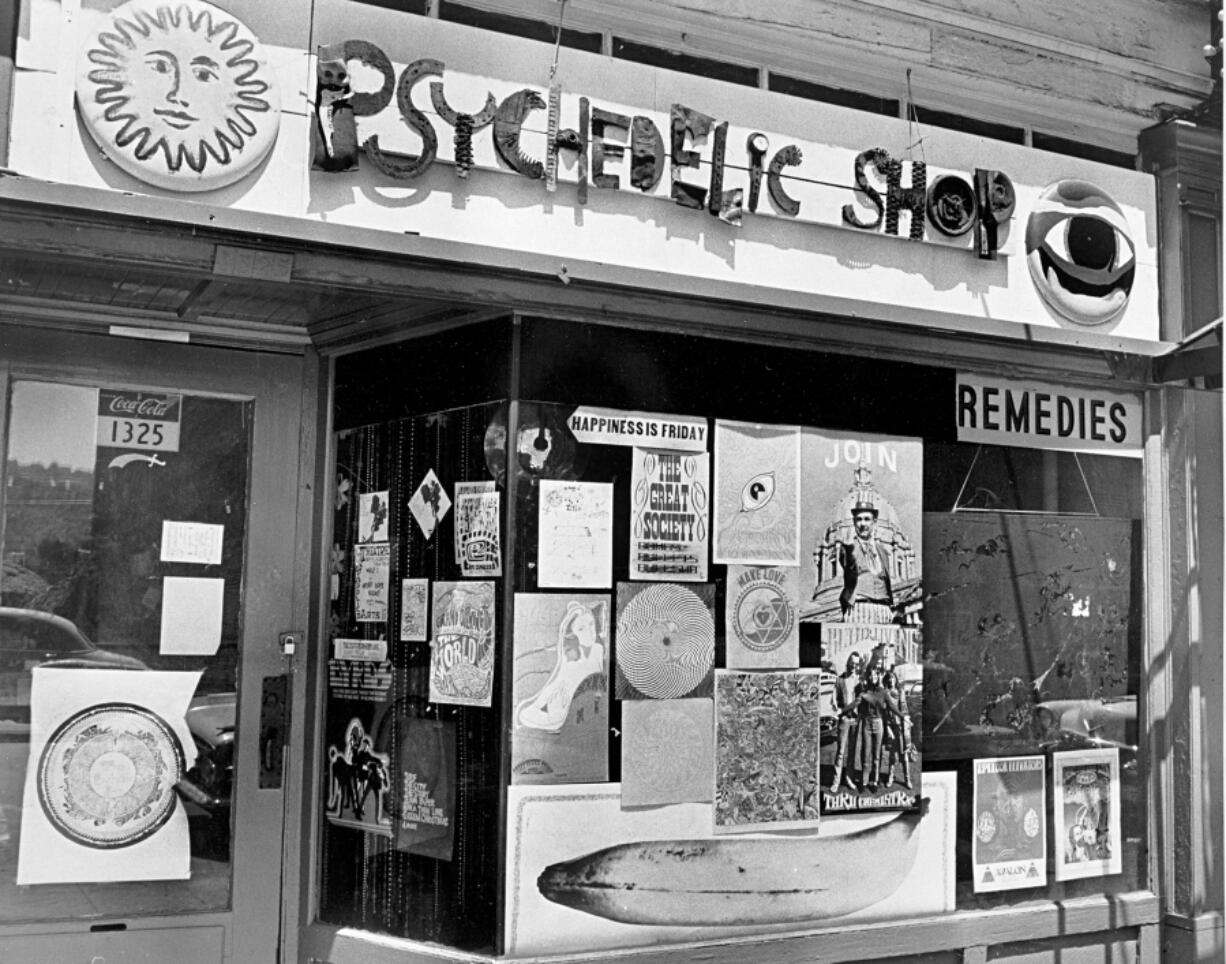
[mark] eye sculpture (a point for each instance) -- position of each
(1080, 253)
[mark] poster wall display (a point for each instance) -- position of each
(570, 847)
(106, 750)
(1088, 835)
(373, 572)
(429, 504)
(757, 494)
(1010, 812)
(668, 752)
(414, 608)
(761, 622)
(560, 688)
(575, 535)
(374, 521)
(478, 533)
(668, 524)
(462, 646)
(767, 750)
(665, 640)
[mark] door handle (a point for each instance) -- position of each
(274, 728)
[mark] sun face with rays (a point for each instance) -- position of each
(179, 94)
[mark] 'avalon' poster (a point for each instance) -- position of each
(1010, 808)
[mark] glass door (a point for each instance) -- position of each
(143, 693)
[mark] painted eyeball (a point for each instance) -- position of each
(1080, 253)
(758, 491)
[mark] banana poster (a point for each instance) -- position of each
(591, 876)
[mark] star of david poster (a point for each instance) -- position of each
(762, 630)
(106, 750)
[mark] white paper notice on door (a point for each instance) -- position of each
(107, 747)
(198, 542)
(191, 615)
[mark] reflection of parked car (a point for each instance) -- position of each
(211, 721)
(30, 638)
(1111, 721)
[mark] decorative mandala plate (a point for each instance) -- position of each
(107, 776)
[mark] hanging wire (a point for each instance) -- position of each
(915, 135)
(557, 40)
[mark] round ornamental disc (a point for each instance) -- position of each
(178, 93)
(666, 641)
(107, 776)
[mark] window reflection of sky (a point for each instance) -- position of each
(53, 423)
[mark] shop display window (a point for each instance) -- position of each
(690, 608)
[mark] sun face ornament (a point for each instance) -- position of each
(178, 93)
(1080, 253)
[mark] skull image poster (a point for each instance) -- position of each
(560, 688)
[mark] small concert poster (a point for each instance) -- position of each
(757, 494)
(669, 516)
(560, 688)
(1088, 833)
(372, 561)
(414, 607)
(468, 488)
(761, 626)
(767, 750)
(665, 640)
(478, 533)
(1010, 830)
(462, 647)
(374, 521)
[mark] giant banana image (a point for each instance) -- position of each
(738, 880)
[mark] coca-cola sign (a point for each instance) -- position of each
(140, 405)
(138, 420)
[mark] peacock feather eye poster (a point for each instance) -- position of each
(757, 494)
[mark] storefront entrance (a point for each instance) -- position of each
(149, 526)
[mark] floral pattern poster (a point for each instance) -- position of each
(462, 645)
(560, 688)
(767, 750)
(757, 494)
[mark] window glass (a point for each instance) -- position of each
(90, 477)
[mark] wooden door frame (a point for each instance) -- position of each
(275, 586)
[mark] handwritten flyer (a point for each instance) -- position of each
(372, 561)
(669, 516)
(576, 535)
